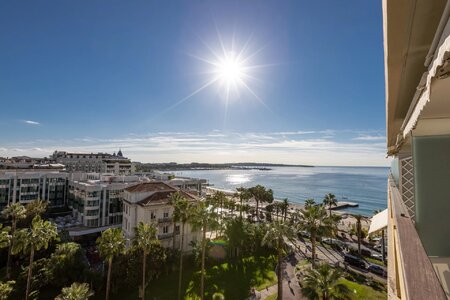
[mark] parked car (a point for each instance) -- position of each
(335, 243)
(377, 270)
(366, 252)
(354, 261)
(377, 256)
(305, 234)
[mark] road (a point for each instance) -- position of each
(331, 256)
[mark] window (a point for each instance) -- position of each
(166, 214)
(92, 223)
(152, 215)
(166, 229)
(92, 203)
(93, 212)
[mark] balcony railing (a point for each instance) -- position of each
(164, 220)
(164, 236)
(410, 272)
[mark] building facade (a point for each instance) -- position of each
(149, 203)
(96, 199)
(25, 186)
(417, 70)
(95, 162)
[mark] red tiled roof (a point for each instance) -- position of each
(153, 186)
(162, 197)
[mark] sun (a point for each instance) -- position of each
(230, 70)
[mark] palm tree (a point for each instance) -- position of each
(5, 237)
(173, 199)
(202, 217)
(244, 195)
(77, 291)
(309, 202)
(219, 198)
(144, 239)
(285, 208)
(237, 234)
(323, 283)
(5, 289)
(33, 239)
(110, 244)
(329, 200)
(15, 212)
(358, 230)
(37, 207)
(314, 219)
(276, 232)
(334, 222)
(218, 296)
(181, 214)
(261, 194)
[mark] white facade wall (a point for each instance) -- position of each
(99, 203)
(158, 214)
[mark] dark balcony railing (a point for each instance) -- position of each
(164, 236)
(165, 220)
(410, 272)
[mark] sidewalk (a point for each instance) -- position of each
(291, 290)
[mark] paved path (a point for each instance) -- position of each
(291, 289)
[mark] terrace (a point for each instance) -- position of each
(405, 281)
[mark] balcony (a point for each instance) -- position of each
(165, 236)
(410, 272)
(165, 220)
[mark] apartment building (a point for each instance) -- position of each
(417, 70)
(26, 162)
(25, 186)
(96, 199)
(148, 202)
(95, 162)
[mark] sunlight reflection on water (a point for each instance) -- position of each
(237, 179)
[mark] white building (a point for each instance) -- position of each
(25, 186)
(148, 203)
(95, 162)
(96, 199)
(191, 185)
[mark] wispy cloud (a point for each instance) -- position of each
(216, 146)
(370, 138)
(30, 122)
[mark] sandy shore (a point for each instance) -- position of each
(347, 219)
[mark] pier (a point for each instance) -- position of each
(344, 204)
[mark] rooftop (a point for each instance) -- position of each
(155, 186)
(163, 197)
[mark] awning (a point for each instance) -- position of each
(440, 60)
(379, 221)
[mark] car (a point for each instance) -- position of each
(375, 269)
(354, 261)
(366, 252)
(305, 234)
(377, 256)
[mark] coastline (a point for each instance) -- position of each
(348, 219)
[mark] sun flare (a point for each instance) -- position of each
(230, 70)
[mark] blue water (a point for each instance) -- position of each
(364, 185)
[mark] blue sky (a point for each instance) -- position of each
(99, 75)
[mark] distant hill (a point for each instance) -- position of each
(172, 166)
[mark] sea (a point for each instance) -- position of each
(366, 186)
